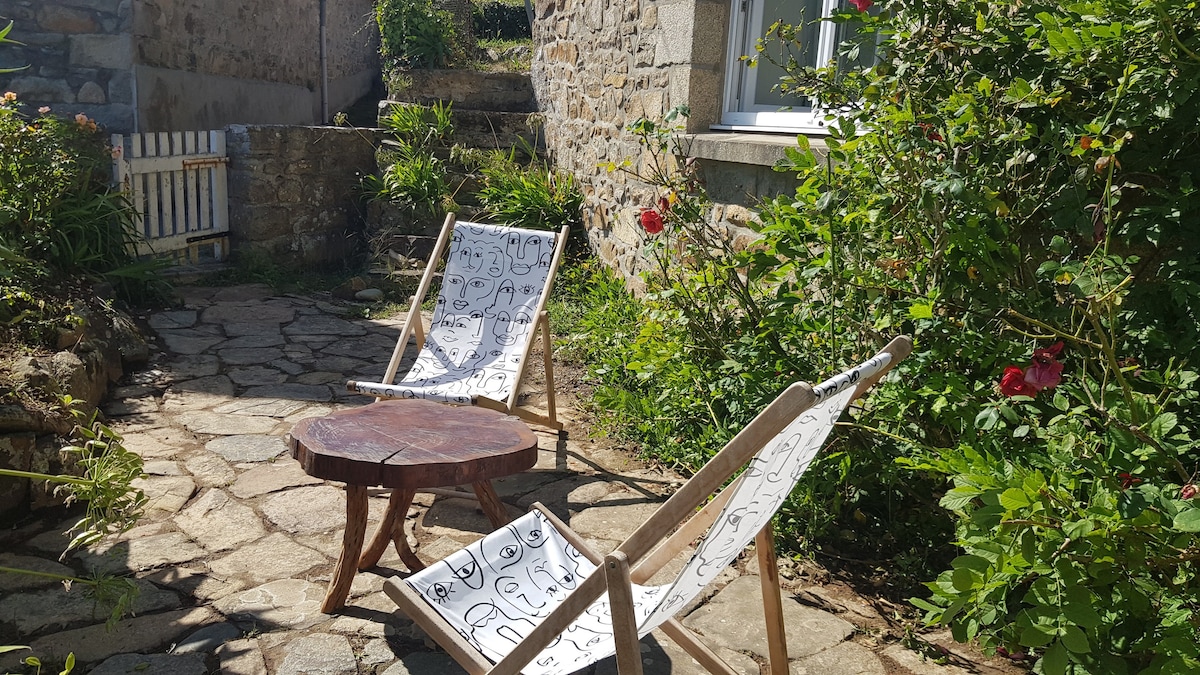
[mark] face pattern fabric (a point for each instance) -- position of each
(492, 285)
(495, 591)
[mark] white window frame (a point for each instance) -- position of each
(745, 15)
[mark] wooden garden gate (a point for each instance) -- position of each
(177, 184)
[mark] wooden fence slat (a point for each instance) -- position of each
(176, 182)
(166, 189)
(220, 215)
(181, 221)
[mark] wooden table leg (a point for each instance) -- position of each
(352, 541)
(391, 530)
(393, 520)
(490, 501)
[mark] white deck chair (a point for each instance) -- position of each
(490, 306)
(532, 598)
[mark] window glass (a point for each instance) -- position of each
(752, 98)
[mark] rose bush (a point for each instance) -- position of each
(1011, 177)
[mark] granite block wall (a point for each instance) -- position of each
(293, 192)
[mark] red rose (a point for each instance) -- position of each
(652, 222)
(1013, 383)
(1044, 371)
(1188, 491)
(862, 5)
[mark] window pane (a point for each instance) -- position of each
(862, 47)
(805, 13)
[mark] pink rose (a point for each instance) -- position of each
(1045, 371)
(1188, 491)
(861, 5)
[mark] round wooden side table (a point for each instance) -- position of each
(406, 445)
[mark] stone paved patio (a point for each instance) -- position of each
(237, 543)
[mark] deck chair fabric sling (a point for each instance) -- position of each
(532, 598)
(490, 307)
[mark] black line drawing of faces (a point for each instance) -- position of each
(471, 259)
(506, 293)
(495, 262)
(467, 570)
(504, 550)
(480, 617)
(468, 291)
(526, 599)
(502, 330)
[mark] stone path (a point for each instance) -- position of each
(238, 543)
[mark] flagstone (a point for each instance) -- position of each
(204, 422)
(130, 406)
(197, 583)
(33, 612)
(210, 470)
(162, 467)
(322, 325)
(248, 447)
(183, 318)
(189, 344)
(197, 394)
(208, 639)
(144, 633)
(270, 558)
(266, 478)
(165, 494)
(256, 375)
(236, 329)
(307, 509)
(847, 658)
(254, 341)
(289, 367)
(142, 553)
(152, 664)
(309, 411)
(286, 603)
(193, 365)
(245, 356)
(733, 619)
(258, 312)
(345, 364)
(421, 663)
(242, 657)
(11, 582)
(323, 377)
(318, 654)
(218, 523)
(260, 406)
(304, 392)
(154, 443)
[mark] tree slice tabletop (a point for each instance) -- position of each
(413, 443)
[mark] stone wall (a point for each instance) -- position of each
(600, 65)
(78, 55)
(293, 192)
(181, 65)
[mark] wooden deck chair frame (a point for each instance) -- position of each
(413, 327)
(651, 546)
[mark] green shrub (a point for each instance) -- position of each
(417, 34)
(500, 20)
(531, 196)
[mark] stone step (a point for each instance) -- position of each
(469, 89)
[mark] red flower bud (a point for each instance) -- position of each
(862, 5)
(1128, 480)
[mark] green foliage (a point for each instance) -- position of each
(59, 218)
(417, 33)
(1010, 176)
(530, 196)
(1015, 174)
(500, 20)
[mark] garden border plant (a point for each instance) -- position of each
(1020, 193)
